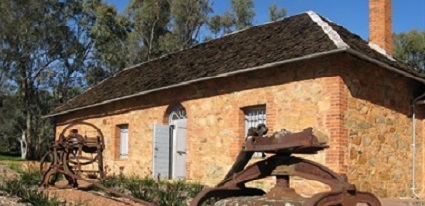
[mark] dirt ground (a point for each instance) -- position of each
(78, 197)
(88, 198)
(72, 197)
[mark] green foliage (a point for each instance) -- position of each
(29, 173)
(187, 18)
(57, 49)
(10, 158)
(149, 20)
(28, 54)
(161, 27)
(11, 187)
(162, 193)
(240, 16)
(171, 194)
(109, 32)
(243, 11)
(143, 189)
(114, 181)
(11, 120)
(30, 195)
(118, 182)
(275, 13)
(193, 189)
(32, 177)
(14, 166)
(52, 50)
(409, 47)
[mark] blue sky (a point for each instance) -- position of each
(352, 14)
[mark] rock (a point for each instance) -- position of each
(10, 201)
(364, 110)
(357, 140)
(381, 138)
(373, 161)
(365, 125)
(353, 154)
(362, 159)
(380, 120)
(367, 141)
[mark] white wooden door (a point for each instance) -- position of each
(161, 152)
(179, 149)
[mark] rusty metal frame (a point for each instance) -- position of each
(282, 165)
(64, 158)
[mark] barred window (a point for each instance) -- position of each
(253, 117)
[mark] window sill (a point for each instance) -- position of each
(122, 158)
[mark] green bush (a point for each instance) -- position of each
(163, 193)
(29, 173)
(143, 189)
(193, 189)
(27, 194)
(30, 177)
(171, 194)
(114, 181)
(12, 187)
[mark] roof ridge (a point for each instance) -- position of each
(204, 42)
(381, 50)
(332, 34)
(139, 65)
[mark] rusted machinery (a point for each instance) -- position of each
(73, 155)
(283, 165)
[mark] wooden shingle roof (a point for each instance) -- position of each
(293, 38)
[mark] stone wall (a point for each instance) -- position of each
(326, 94)
(378, 120)
(140, 140)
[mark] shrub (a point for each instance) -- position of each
(193, 189)
(163, 193)
(171, 195)
(30, 177)
(12, 187)
(29, 172)
(143, 189)
(117, 183)
(27, 194)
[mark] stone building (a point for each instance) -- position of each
(185, 115)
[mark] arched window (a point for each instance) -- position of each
(177, 112)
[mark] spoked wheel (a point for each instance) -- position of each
(68, 156)
(46, 161)
(48, 168)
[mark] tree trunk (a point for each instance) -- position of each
(26, 110)
(24, 146)
(30, 142)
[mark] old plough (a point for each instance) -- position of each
(77, 157)
(282, 165)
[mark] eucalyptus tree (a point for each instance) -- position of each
(187, 18)
(108, 33)
(243, 13)
(49, 50)
(30, 46)
(275, 13)
(239, 16)
(409, 47)
(149, 20)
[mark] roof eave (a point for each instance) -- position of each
(265, 66)
(382, 64)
